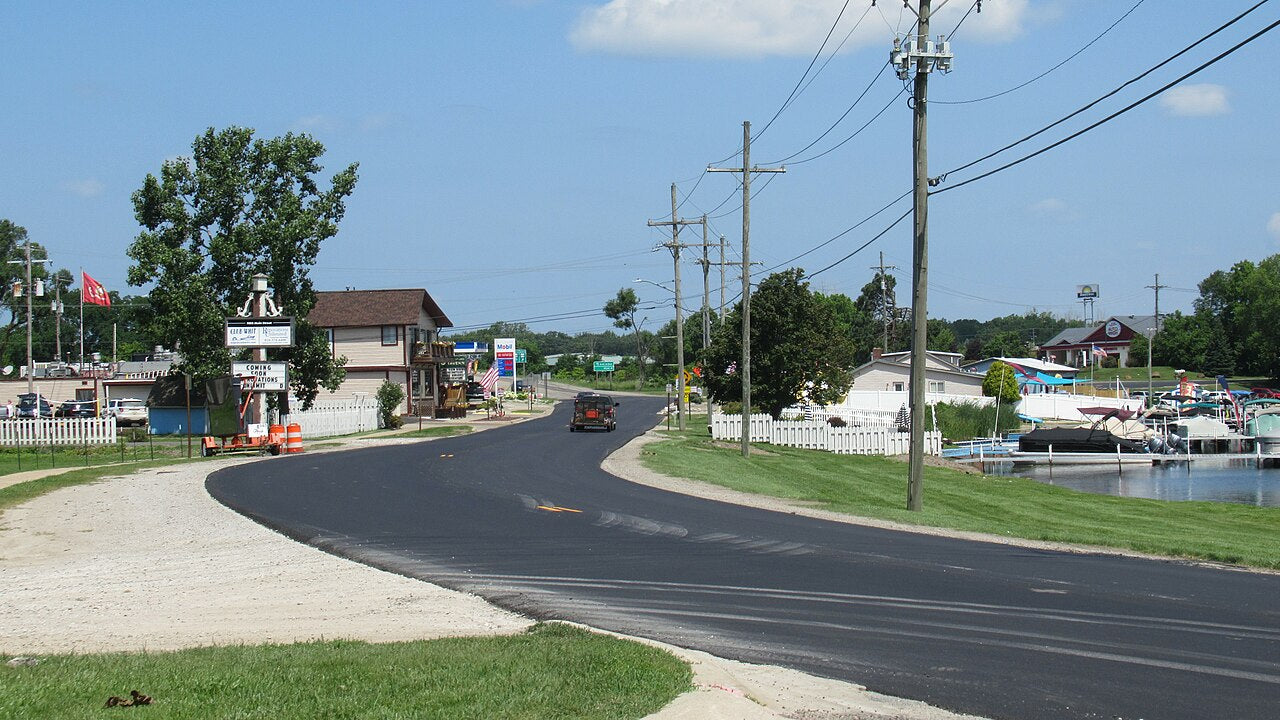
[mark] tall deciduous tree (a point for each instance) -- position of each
(236, 207)
(797, 348)
(622, 310)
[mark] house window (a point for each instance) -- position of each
(389, 335)
(899, 387)
(328, 337)
(937, 386)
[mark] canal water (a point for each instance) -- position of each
(1215, 479)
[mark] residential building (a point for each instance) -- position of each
(385, 335)
(892, 372)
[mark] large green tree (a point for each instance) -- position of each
(236, 207)
(797, 348)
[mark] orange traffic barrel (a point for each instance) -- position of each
(293, 441)
(275, 435)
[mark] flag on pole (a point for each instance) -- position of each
(1099, 352)
(490, 378)
(94, 293)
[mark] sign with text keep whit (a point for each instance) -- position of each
(271, 376)
(259, 332)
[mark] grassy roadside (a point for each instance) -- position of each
(875, 487)
(551, 671)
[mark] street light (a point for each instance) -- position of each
(656, 284)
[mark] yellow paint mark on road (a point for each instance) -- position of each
(557, 508)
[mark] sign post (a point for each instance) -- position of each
(504, 357)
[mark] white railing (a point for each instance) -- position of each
(851, 416)
(815, 435)
(58, 431)
(329, 421)
(891, 400)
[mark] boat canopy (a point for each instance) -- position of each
(1120, 413)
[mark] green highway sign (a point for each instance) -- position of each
(522, 355)
(602, 366)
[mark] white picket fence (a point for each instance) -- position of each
(815, 435)
(57, 431)
(329, 421)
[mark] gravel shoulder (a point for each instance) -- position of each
(149, 562)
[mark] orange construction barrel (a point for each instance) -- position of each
(293, 438)
(275, 435)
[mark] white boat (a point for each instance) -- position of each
(1263, 424)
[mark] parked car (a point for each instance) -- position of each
(127, 411)
(77, 409)
(32, 405)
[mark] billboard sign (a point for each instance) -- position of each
(1087, 291)
(270, 376)
(259, 332)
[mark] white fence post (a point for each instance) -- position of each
(57, 431)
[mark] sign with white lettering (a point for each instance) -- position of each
(271, 376)
(259, 332)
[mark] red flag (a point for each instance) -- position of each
(94, 293)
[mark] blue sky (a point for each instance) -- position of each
(512, 151)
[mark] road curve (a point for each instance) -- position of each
(524, 516)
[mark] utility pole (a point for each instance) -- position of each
(28, 290)
(675, 246)
(1151, 337)
(1157, 287)
(884, 298)
(721, 279)
(926, 55)
(746, 171)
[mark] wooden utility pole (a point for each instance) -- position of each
(721, 279)
(884, 298)
(745, 370)
(675, 247)
(1151, 339)
(926, 56)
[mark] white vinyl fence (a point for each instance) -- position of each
(1065, 406)
(329, 421)
(815, 435)
(851, 416)
(57, 431)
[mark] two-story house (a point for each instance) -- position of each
(385, 335)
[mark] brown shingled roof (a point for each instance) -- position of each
(365, 308)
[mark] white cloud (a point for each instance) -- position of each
(319, 124)
(86, 188)
(1196, 100)
(745, 28)
(1053, 208)
(1273, 225)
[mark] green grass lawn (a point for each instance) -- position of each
(551, 671)
(876, 487)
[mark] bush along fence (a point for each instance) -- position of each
(329, 421)
(815, 435)
(41, 432)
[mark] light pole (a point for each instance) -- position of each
(26, 288)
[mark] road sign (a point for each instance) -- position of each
(259, 332)
(271, 376)
(522, 355)
(602, 366)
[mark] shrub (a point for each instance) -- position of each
(390, 395)
(961, 421)
(836, 421)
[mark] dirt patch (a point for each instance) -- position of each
(948, 463)
(738, 446)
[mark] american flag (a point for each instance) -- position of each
(490, 378)
(1099, 352)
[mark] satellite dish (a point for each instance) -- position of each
(8, 369)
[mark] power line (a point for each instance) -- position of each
(846, 231)
(838, 121)
(1110, 94)
(1116, 114)
(786, 103)
(1046, 72)
(864, 245)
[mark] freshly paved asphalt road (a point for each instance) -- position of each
(524, 516)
